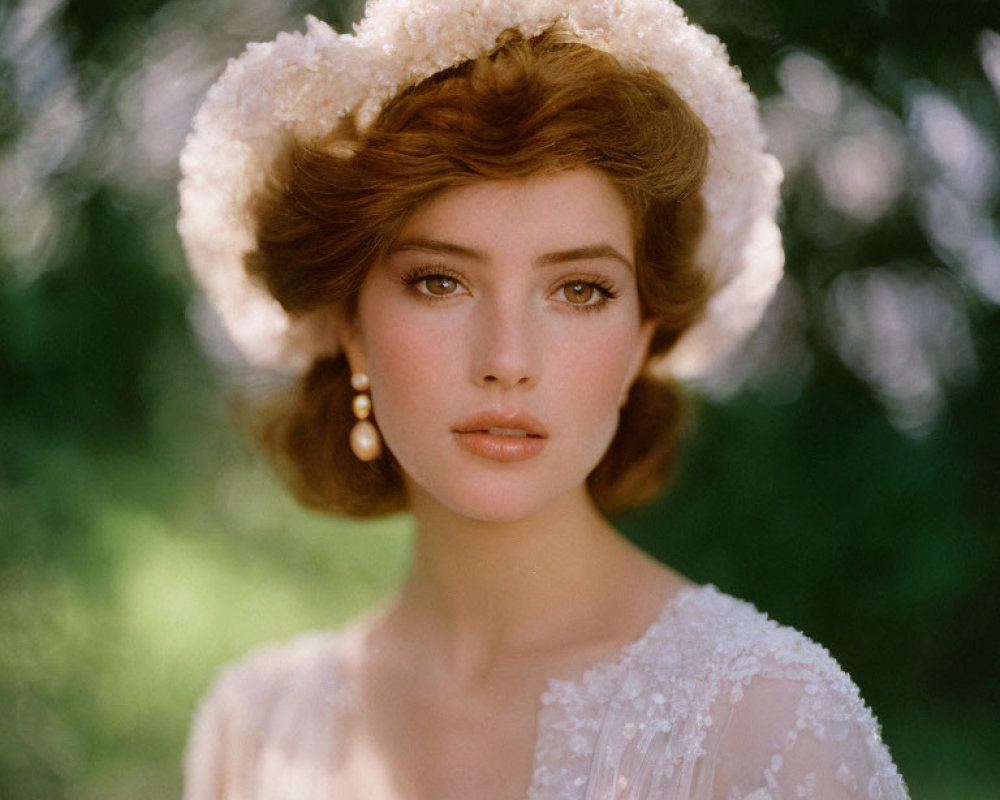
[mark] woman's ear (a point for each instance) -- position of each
(640, 354)
(348, 331)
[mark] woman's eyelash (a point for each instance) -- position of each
(606, 292)
(414, 277)
(604, 287)
(417, 274)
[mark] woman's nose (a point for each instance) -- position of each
(507, 346)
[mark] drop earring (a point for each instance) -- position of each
(365, 440)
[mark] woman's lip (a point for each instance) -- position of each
(498, 423)
(502, 437)
(501, 447)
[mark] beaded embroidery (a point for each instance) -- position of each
(714, 701)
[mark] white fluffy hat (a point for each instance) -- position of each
(302, 84)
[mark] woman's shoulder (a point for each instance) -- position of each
(258, 679)
(732, 638)
(313, 668)
(717, 648)
(280, 703)
(717, 694)
(704, 637)
(704, 655)
(793, 717)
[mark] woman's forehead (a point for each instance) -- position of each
(549, 212)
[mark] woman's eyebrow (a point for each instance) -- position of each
(426, 245)
(586, 253)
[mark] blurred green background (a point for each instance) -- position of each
(841, 473)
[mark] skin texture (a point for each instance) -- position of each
(517, 298)
(503, 334)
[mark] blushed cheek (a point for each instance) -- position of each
(396, 368)
(599, 375)
(408, 367)
(608, 360)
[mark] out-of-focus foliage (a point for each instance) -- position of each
(841, 473)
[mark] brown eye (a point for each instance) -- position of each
(440, 285)
(579, 293)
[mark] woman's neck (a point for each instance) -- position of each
(482, 592)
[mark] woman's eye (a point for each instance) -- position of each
(439, 285)
(582, 293)
(434, 285)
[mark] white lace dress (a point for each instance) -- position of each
(714, 702)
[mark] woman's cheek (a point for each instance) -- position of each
(410, 364)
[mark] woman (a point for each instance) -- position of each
(487, 236)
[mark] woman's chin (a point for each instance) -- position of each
(492, 504)
(499, 510)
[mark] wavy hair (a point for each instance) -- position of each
(529, 106)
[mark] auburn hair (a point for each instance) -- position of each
(530, 106)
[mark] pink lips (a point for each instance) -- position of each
(502, 437)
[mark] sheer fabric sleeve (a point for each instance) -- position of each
(271, 727)
(716, 702)
(801, 734)
(210, 760)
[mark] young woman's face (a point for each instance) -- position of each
(501, 333)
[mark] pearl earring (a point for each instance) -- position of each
(365, 440)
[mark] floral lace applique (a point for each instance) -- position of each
(713, 702)
(712, 693)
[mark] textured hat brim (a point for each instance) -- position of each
(302, 84)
